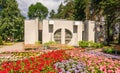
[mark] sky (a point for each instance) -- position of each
(50, 4)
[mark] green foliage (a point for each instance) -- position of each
(8, 43)
(11, 21)
(38, 10)
(80, 7)
(38, 42)
(112, 13)
(52, 14)
(52, 42)
(65, 11)
(1, 41)
(108, 50)
(85, 44)
(47, 44)
(95, 45)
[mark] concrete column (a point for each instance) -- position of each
(75, 39)
(31, 31)
(36, 29)
(91, 32)
(63, 36)
(79, 34)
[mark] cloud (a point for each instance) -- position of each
(50, 4)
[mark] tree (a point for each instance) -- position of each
(112, 13)
(60, 9)
(80, 10)
(68, 1)
(88, 10)
(96, 10)
(66, 11)
(60, 13)
(52, 14)
(11, 21)
(38, 10)
(69, 10)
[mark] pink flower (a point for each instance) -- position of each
(110, 71)
(117, 70)
(101, 68)
(111, 67)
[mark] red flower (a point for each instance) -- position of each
(4, 71)
(51, 72)
(35, 64)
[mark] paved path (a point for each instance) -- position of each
(16, 47)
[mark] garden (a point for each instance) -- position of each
(67, 59)
(50, 57)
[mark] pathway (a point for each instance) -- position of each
(16, 47)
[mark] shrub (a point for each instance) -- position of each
(99, 45)
(38, 42)
(1, 41)
(47, 44)
(108, 50)
(83, 44)
(96, 45)
(51, 42)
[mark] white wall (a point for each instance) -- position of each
(31, 31)
(62, 24)
(89, 31)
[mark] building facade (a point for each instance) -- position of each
(61, 31)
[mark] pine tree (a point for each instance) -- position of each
(52, 14)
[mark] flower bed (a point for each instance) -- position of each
(62, 62)
(110, 56)
(97, 63)
(70, 66)
(41, 64)
(100, 63)
(14, 56)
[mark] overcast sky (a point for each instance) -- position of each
(50, 4)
